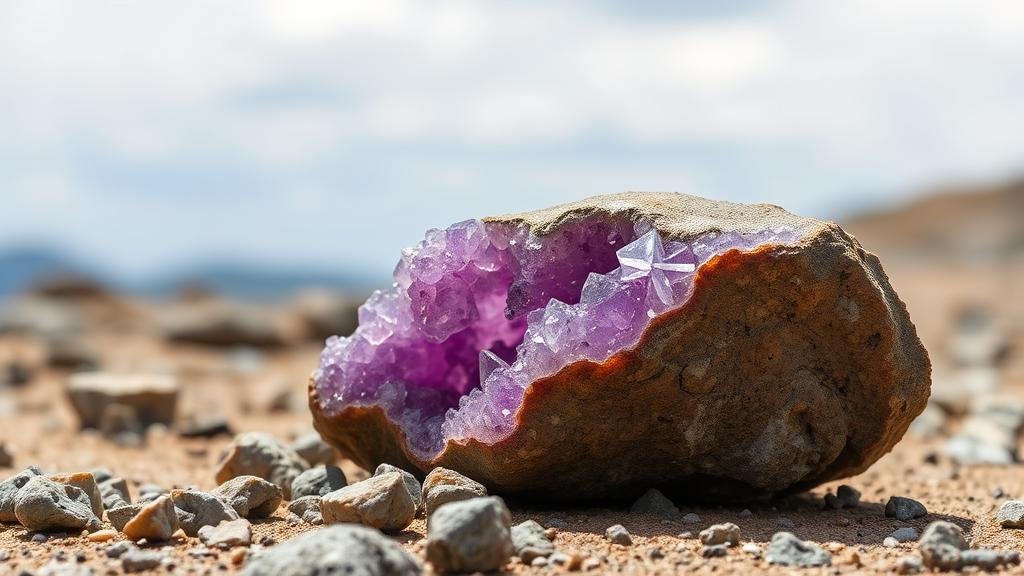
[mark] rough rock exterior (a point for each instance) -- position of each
(260, 454)
(344, 549)
(805, 337)
(381, 502)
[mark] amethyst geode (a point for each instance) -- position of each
(629, 341)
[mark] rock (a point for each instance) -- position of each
(890, 542)
(691, 518)
(197, 509)
(9, 488)
(219, 323)
(381, 502)
(929, 423)
(727, 533)
(250, 496)
(845, 497)
(260, 454)
(205, 426)
(530, 541)
(905, 534)
(714, 551)
(6, 458)
(135, 560)
(443, 485)
(308, 509)
(326, 314)
(227, 534)
(969, 450)
(940, 545)
(117, 549)
(57, 568)
(150, 492)
(86, 483)
(618, 534)
(469, 536)
(415, 489)
(120, 515)
(43, 505)
(908, 565)
(1011, 514)
(654, 502)
(788, 550)
(152, 397)
(39, 316)
(904, 509)
(343, 549)
(314, 450)
(319, 481)
(986, 559)
(156, 521)
(114, 492)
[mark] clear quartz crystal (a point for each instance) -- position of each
(479, 311)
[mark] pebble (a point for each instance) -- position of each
(136, 560)
(940, 545)
(86, 482)
(890, 542)
(905, 534)
(114, 492)
(656, 503)
(751, 548)
(382, 502)
(156, 521)
(714, 551)
(442, 486)
(745, 513)
(845, 497)
(39, 538)
(1011, 514)
(197, 509)
(250, 496)
(618, 534)
(788, 550)
(117, 549)
(43, 504)
(120, 516)
(530, 541)
(262, 455)
(728, 534)
(102, 535)
(470, 535)
(904, 509)
(308, 509)
(415, 489)
(343, 549)
(785, 522)
(9, 488)
(227, 534)
(320, 481)
(152, 398)
(691, 518)
(314, 450)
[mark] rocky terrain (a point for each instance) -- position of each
(173, 437)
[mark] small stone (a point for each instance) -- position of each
(120, 516)
(262, 455)
(905, 534)
(745, 513)
(343, 549)
(197, 509)
(845, 497)
(470, 535)
(151, 397)
(150, 492)
(314, 450)
(9, 488)
(691, 518)
(43, 504)
(788, 550)
(656, 503)
(86, 482)
(908, 565)
(728, 534)
(785, 522)
(227, 534)
(114, 492)
(530, 541)
(382, 502)
(308, 509)
(1011, 514)
(205, 426)
(904, 509)
(250, 496)
(39, 538)
(442, 486)
(751, 548)
(156, 521)
(618, 534)
(135, 560)
(714, 551)
(319, 481)
(940, 545)
(102, 535)
(415, 489)
(890, 542)
(117, 549)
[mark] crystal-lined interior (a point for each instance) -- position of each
(480, 310)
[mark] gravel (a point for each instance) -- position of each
(1011, 514)
(44, 505)
(344, 549)
(656, 503)
(442, 486)
(904, 509)
(381, 502)
(197, 509)
(227, 534)
(156, 521)
(530, 541)
(415, 489)
(728, 534)
(618, 534)
(307, 509)
(262, 455)
(788, 550)
(470, 535)
(250, 496)
(319, 481)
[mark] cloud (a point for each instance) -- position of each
(333, 133)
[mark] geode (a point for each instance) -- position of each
(629, 341)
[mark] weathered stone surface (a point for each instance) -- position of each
(307, 508)
(222, 323)
(318, 481)
(314, 450)
(940, 545)
(530, 541)
(196, 509)
(847, 373)
(155, 521)
(788, 550)
(114, 491)
(443, 485)
(414, 486)
(618, 534)
(152, 397)
(86, 483)
(250, 496)
(905, 534)
(260, 454)
(136, 560)
(1011, 514)
(381, 502)
(227, 534)
(120, 515)
(42, 505)
(345, 549)
(9, 488)
(654, 502)
(904, 509)
(845, 497)
(727, 533)
(470, 536)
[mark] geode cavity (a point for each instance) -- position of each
(629, 341)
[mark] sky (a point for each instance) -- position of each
(146, 136)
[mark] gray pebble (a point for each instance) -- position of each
(788, 550)
(197, 509)
(415, 489)
(890, 542)
(691, 518)
(904, 509)
(654, 502)
(905, 534)
(785, 522)
(470, 535)
(117, 549)
(319, 481)
(308, 509)
(381, 502)
(250, 496)
(344, 549)
(530, 541)
(114, 492)
(714, 551)
(442, 486)
(120, 516)
(314, 450)
(1011, 514)
(940, 545)
(227, 534)
(845, 497)
(728, 534)
(136, 560)
(262, 455)
(9, 488)
(43, 504)
(85, 482)
(618, 534)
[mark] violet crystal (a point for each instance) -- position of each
(480, 310)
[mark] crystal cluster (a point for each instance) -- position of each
(479, 311)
